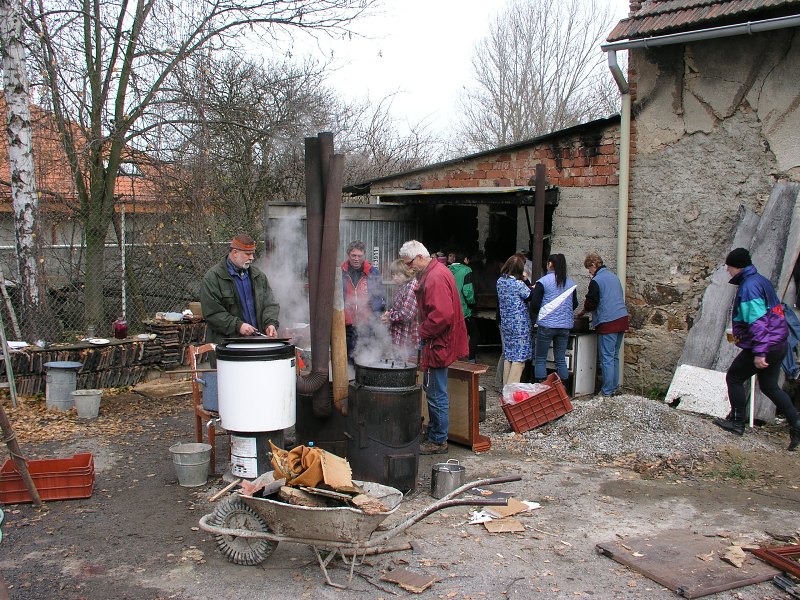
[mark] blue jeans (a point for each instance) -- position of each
(435, 384)
(608, 346)
(559, 336)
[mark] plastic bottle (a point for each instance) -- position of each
(121, 328)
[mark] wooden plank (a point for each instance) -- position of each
(153, 389)
(670, 558)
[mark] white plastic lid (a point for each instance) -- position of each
(264, 346)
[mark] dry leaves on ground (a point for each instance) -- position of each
(120, 415)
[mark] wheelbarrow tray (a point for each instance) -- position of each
(341, 524)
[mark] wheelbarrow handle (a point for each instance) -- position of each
(480, 483)
(445, 502)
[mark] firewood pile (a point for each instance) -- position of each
(174, 338)
(119, 363)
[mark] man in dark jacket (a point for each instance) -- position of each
(236, 297)
(760, 331)
(442, 333)
(362, 289)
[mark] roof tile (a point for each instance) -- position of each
(658, 17)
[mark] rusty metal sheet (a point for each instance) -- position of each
(671, 559)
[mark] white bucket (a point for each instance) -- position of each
(191, 460)
(87, 402)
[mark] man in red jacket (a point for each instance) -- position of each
(442, 333)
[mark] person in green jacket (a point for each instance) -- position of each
(459, 266)
(236, 297)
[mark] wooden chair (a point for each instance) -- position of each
(203, 419)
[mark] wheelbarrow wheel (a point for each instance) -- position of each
(233, 513)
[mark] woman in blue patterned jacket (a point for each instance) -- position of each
(513, 293)
(760, 330)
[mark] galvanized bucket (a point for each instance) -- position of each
(87, 403)
(191, 461)
(446, 477)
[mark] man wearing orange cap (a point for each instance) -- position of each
(236, 296)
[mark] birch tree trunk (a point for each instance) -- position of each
(36, 320)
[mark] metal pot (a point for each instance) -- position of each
(387, 373)
(446, 477)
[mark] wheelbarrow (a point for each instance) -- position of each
(247, 529)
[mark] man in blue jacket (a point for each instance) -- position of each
(606, 301)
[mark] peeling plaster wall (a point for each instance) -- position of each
(715, 125)
(585, 221)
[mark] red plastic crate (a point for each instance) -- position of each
(542, 408)
(55, 479)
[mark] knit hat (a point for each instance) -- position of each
(738, 258)
(243, 242)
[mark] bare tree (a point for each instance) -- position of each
(39, 322)
(247, 123)
(537, 71)
(106, 64)
(377, 144)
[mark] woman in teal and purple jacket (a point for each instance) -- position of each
(760, 330)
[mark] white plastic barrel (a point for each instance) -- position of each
(256, 385)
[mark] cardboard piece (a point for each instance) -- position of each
(305, 466)
(412, 582)
(514, 507)
(336, 472)
(506, 525)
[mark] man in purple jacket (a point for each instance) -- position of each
(759, 329)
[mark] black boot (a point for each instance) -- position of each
(734, 422)
(794, 438)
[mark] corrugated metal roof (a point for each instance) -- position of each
(657, 17)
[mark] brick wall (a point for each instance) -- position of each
(582, 160)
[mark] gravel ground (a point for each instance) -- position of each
(630, 431)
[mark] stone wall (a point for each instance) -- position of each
(715, 127)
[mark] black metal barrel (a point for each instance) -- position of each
(383, 424)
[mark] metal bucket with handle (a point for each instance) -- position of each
(446, 477)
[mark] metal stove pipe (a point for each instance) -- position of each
(323, 174)
(315, 210)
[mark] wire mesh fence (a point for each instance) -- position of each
(157, 277)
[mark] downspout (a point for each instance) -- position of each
(623, 202)
(624, 168)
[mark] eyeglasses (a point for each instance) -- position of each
(408, 263)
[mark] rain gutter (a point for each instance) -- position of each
(705, 34)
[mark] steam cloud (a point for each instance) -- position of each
(285, 265)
